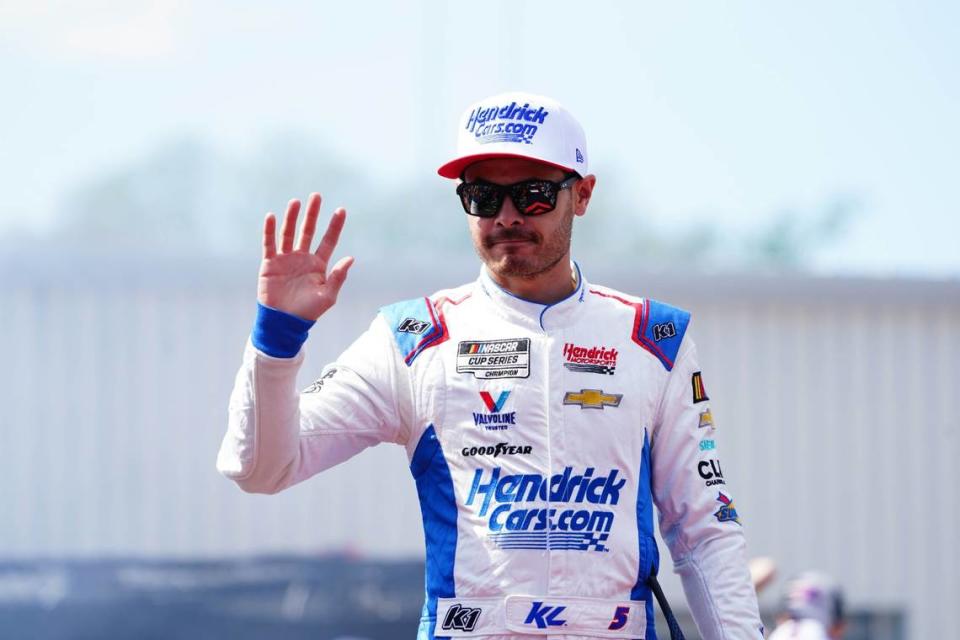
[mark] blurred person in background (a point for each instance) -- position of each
(812, 609)
(543, 416)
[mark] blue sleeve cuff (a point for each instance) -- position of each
(277, 333)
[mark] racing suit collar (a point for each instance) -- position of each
(542, 317)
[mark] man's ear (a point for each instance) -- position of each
(582, 191)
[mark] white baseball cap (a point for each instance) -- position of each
(519, 125)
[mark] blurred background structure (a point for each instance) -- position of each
(787, 173)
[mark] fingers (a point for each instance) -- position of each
(310, 223)
(289, 228)
(332, 235)
(269, 236)
(338, 274)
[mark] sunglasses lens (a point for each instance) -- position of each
(480, 199)
(535, 197)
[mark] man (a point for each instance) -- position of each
(542, 415)
(812, 609)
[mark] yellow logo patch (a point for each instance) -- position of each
(592, 398)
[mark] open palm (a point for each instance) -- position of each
(296, 280)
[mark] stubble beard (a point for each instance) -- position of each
(553, 249)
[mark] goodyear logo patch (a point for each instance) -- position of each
(495, 359)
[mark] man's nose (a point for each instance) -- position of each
(508, 215)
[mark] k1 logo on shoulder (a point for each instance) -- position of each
(493, 359)
(664, 330)
(461, 618)
(412, 325)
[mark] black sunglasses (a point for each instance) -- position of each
(531, 197)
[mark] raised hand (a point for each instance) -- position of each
(296, 280)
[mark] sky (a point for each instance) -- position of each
(726, 114)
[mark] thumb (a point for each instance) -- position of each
(339, 273)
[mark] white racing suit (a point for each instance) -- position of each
(539, 438)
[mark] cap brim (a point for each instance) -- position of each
(455, 168)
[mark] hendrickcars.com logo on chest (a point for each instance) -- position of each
(574, 521)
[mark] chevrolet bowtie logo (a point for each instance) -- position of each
(592, 399)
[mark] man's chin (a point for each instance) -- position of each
(511, 266)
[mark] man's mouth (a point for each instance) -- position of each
(511, 239)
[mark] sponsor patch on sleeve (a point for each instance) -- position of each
(699, 392)
(495, 359)
(727, 511)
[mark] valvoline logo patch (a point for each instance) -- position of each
(494, 407)
(495, 419)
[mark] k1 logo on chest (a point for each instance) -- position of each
(493, 359)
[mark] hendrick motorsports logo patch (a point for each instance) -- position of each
(493, 359)
(590, 359)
